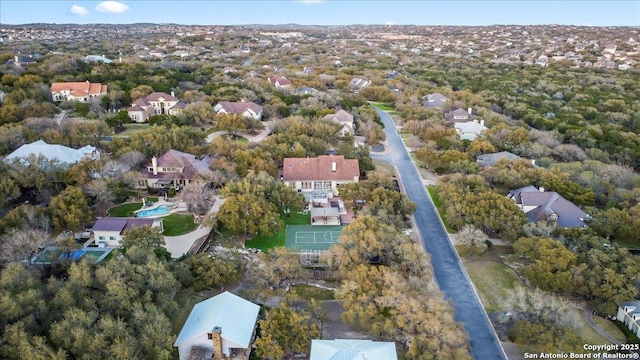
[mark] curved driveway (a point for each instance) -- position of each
(447, 267)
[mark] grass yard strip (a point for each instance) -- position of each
(265, 242)
(308, 292)
(383, 106)
(124, 210)
(493, 281)
(176, 224)
(438, 203)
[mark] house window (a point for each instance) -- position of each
(101, 238)
(112, 238)
(306, 185)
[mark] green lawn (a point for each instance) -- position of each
(383, 107)
(438, 203)
(175, 224)
(266, 242)
(493, 281)
(131, 129)
(308, 292)
(124, 210)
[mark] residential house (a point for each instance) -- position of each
(108, 231)
(23, 62)
(435, 100)
(157, 103)
(492, 159)
(53, 152)
(218, 328)
(459, 115)
(320, 176)
(540, 205)
(175, 169)
(359, 83)
(245, 108)
(96, 58)
(469, 130)
(77, 91)
(280, 82)
(629, 315)
(305, 90)
(345, 349)
(345, 119)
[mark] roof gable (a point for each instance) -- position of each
(233, 314)
(343, 349)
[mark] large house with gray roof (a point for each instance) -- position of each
(222, 327)
(346, 349)
(540, 205)
(435, 100)
(174, 169)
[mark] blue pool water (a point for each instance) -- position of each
(160, 210)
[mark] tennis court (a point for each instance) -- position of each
(311, 237)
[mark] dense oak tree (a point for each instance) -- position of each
(70, 210)
(285, 332)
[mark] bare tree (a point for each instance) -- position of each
(20, 244)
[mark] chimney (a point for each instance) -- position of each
(482, 122)
(533, 161)
(541, 189)
(154, 164)
(173, 93)
(333, 166)
(470, 111)
(216, 337)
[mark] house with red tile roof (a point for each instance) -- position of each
(157, 103)
(77, 91)
(245, 108)
(280, 82)
(174, 169)
(324, 173)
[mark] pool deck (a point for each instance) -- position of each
(173, 207)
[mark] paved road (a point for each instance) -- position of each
(447, 267)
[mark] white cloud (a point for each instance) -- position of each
(78, 10)
(112, 7)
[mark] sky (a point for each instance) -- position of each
(324, 12)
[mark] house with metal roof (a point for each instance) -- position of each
(629, 315)
(344, 349)
(53, 152)
(219, 328)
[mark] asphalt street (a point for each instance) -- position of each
(449, 272)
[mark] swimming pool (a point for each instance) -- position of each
(160, 210)
(53, 253)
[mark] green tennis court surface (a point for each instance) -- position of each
(311, 237)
